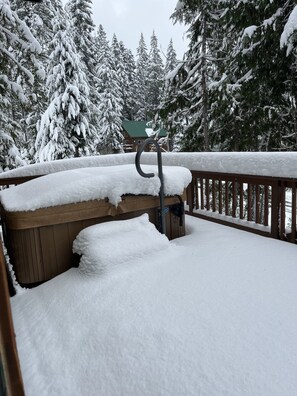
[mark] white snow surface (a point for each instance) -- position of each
(108, 245)
(249, 31)
(249, 163)
(150, 132)
(45, 168)
(289, 28)
(86, 184)
(202, 317)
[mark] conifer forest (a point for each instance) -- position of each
(65, 89)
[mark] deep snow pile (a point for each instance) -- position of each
(86, 184)
(107, 245)
(45, 168)
(275, 164)
(213, 314)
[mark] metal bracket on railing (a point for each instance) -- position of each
(160, 174)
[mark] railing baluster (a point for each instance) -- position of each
(275, 205)
(207, 194)
(226, 199)
(196, 193)
(213, 195)
(293, 221)
(257, 203)
(250, 192)
(241, 213)
(202, 192)
(234, 198)
(220, 197)
(266, 205)
(283, 212)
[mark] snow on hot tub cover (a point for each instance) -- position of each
(86, 184)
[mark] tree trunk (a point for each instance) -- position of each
(204, 86)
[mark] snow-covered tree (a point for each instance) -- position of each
(125, 67)
(39, 17)
(64, 130)
(171, 58)
(111, 104)
(236, 87)
(288, 41)
(129, 110)
(118, 53)
(100, 38)
(83, 33)
(171, 121)
(257, 73)
(155, 75)
(15, 73)
(141, 80)
(193, 77)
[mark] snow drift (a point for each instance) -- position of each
(107, 245)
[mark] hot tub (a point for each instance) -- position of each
(42, 217)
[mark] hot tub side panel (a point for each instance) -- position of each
(40, 243)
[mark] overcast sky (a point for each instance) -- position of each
(129, 18)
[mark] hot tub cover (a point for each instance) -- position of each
(84, 184)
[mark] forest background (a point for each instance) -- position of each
(65, 89)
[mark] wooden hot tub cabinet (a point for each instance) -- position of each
(39, 242)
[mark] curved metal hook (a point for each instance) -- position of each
(148, 175)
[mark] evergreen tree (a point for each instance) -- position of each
(288, 41)
(141, 80)
(39, 18)
(129, 90)
(258, 71)
(15, 73)
(191, 82)
(111, 104)
(171, 59)
(130, 100)
(155, 75)
(100, 39)
(83, 33)
(117, 52)
(171, 121)
(64, 129)
(236, 88)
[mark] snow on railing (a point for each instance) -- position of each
(250, 191)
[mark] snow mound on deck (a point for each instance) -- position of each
(86, 184)
(108, 245)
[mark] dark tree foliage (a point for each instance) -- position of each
(236, 88)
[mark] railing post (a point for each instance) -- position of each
(190, 195)
(275, 207)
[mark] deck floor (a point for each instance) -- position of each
(215, 314)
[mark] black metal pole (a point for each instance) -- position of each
(160, 172)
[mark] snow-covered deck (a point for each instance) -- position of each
(215, 313)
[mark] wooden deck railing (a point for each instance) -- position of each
(259, 204)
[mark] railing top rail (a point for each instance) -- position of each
(17, 180)
(239, 176)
